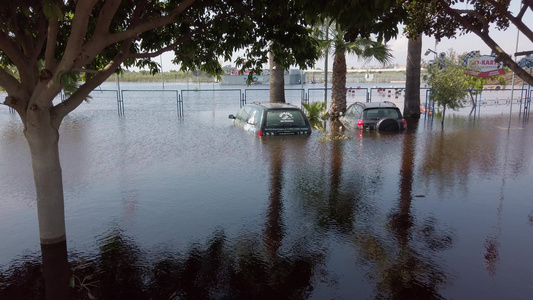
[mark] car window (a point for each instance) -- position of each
(241, 115)
(285, 118)
(245, 114)
(379, 113)
(357, 111)
(351, 112)
(253, 118)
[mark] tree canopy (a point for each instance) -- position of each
(444, 18)
(50, 41)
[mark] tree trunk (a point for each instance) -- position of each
(411, 108)
(443, 115)
(338, 89)
(277, 81)
(56, 271)
(43, 141)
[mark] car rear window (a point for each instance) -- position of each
(285, 118)
(379, 113)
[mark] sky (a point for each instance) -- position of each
(461, 44)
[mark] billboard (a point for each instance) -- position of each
(483, 66)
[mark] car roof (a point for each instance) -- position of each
(269, 105)
(376, 104)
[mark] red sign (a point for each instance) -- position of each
(484, 66)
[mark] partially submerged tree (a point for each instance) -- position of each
(360, 28)
(363, 48)
(411, 108)
(54, 43)
(449, 83)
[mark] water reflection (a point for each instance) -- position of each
(216, 270)
(194, 213)
(274, 225)
(402, 268)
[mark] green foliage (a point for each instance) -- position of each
(316, 110)
(333, 136)
(69, 81)
(449, 83)
(363, 48)
(52, 10)
(358, 19)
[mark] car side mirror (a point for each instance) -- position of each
(231, 117)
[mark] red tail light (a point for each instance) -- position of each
(360, 123)
(404, 123)
(309, 131)
(260, 133)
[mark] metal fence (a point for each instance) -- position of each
(186, 100)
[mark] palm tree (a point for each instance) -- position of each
(412, 84)
(363, 48)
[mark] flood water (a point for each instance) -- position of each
(165, 207)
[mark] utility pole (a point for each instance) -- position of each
(326, 64)
(162, 77)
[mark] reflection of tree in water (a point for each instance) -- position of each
(273, 233)
(402, 267)
(322, 191)
(451, 157)
(218, 270)
(405, 266)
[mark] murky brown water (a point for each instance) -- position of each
(165, 208)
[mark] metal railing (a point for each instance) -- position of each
(192, 99)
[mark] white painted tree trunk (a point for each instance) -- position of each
(43, 142)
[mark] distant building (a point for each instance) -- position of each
(231, 76)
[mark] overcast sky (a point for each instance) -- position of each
(461, 44)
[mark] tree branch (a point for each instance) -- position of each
(17, 96)
(167, 48)
(158, 22)
(517, 21)
(528, 3)
(522, 11)
(502, 55)
(61, 110)
(22, 39)
(51, 42)
(106, 16)
(9, 82)
(476, 14)
(77, 34)
(50, 86)
(42, 36)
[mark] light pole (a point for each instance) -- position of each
(162, 77)
(428, 51)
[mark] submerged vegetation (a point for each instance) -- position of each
(318, 115)
(316, 110)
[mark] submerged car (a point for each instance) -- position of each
(266, 119)
(380, 116)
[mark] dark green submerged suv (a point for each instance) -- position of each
(266, 119)
(381, 116)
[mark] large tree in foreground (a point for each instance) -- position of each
(52, 43)
(49, 45)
